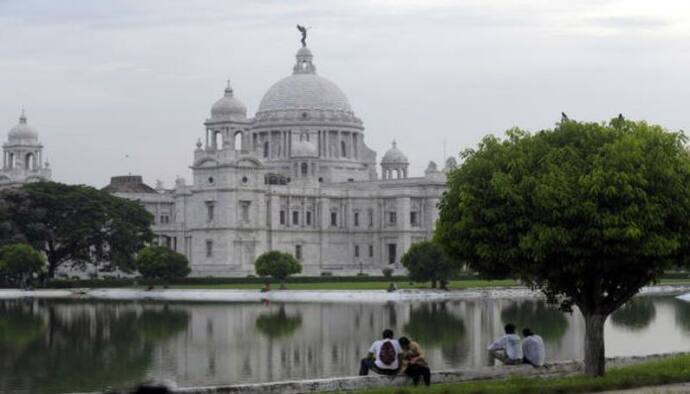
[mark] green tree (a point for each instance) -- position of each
(425, 261)
(19, 262)
(159, 262)
(277, 265)
(587, 212)
(76, 224)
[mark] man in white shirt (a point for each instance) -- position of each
(383, 357)
(507, 348)
(533, 348)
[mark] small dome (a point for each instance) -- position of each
(23, 132)
(303, 148)
(228, 106)
(304, 52)
(394, 155)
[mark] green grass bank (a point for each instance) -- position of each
(668, 371)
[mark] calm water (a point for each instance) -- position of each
(49, 346)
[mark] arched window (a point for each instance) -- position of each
(29, 161)
(304, 169)
(266, 149)
(343, 149)
(238, 140)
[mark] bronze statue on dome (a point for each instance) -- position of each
(303, 30)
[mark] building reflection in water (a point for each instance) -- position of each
(60, 346)
(83, 346)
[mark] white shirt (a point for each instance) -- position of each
(376, 349)
(511, 344)
(533, 348)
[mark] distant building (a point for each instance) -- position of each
(22, 159)
(297, 177)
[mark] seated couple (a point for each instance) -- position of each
(510, 351)
(389, 356)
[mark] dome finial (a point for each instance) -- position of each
(228, 89)
(395, 144)
(22, 117)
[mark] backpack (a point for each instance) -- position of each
(387, 354)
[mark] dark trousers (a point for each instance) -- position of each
(368, 364)
(416, 371)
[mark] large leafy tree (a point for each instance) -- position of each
(278, 265)
(159, 262)
(587, 212)
(76, 224)
(425, 261)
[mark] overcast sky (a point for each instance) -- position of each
(104, 79)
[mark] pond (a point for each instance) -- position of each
(54, 346)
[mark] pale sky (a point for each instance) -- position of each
(104, 79)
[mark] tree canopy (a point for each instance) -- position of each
(587, 212)
(159, 262)
(278, 265)
(425, 261)
(75, 223)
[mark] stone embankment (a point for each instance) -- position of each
(357, 296)
(559, 369)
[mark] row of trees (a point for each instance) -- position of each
(21, 264)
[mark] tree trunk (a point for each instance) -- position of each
(433, 283)
(51, 270)
(595, 360)
(282, 284)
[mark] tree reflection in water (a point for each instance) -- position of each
(682, 309)
(543, 320)
(432, 325)
(278, 324)
(635, 314)
(92, 346)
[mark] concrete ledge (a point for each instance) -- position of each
(559, 369)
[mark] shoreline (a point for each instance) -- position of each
(328, 296)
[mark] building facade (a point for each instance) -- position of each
(22, 158)
(297, 177)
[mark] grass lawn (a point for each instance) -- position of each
(671, 370)
(459, 284)
(456, 284)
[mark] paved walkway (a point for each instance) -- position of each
(672, 388)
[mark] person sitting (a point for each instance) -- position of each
(383, 357)
(413, 363)
(533, 348)
(507, 348)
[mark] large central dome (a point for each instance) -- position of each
(305, 97)
(304, 92)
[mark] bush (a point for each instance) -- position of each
(277, 265)
(326, 273)
(362, 274)
(387, 272)
(159, 262)
(19, 263)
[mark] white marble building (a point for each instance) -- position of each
(22, 159)
(297, 177)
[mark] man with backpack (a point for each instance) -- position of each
(383, 356)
